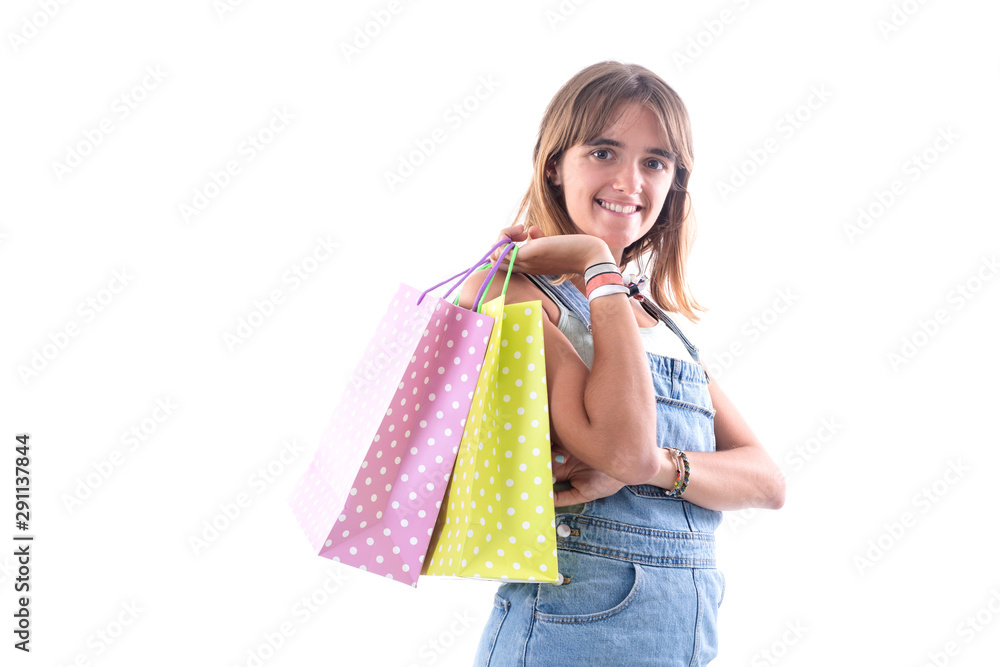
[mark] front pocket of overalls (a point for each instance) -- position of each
(688, 426)
(597, 589)
(685, 406)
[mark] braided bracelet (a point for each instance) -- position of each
(681, 461)
(634, 284)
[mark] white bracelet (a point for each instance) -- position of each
(605, 290)
(599, 268)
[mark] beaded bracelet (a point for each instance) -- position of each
(681, 461)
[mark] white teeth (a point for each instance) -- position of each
(618, 208)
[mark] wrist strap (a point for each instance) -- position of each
(606, 290)
(598, 269)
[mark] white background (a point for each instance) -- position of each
(872, 434)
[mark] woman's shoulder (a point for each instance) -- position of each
(519, 290)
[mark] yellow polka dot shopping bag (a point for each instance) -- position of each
(498, 519)
(372, 493)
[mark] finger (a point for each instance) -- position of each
(515, 234)
(567, 497)
(512, 230)
(496, 255)
(560, 455)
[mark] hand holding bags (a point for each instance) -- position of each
(371, 495)
(498, 520)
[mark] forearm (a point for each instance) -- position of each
(608, 416)
(618, 396)
(732, 479)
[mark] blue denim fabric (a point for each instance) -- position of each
(640, 584)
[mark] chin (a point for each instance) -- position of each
(619, 240)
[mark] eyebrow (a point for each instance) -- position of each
(604, 141)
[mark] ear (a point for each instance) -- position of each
(552, 173)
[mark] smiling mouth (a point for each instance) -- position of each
(618, 208)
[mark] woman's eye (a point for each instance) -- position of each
(655, 163)
(602, 153)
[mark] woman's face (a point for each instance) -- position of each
(615, 185)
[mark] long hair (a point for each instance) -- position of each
(579, 112)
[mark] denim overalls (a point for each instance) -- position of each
(639, 585)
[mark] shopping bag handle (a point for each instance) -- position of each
(512, 249)
(465, 273)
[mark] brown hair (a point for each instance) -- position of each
(581, 109)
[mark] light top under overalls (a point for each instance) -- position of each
(639, 580)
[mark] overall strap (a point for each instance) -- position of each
(566, 293)
(655, 311)
(570, 297)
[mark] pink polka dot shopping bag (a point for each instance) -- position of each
(371, 495)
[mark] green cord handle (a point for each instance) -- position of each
(510, 269)
(486, 265)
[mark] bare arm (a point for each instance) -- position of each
(737, 475)
(605, 415)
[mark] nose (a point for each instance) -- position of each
(628, 178)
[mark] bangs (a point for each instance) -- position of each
(598, 107)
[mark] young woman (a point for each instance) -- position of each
(648, 446)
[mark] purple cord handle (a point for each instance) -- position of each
(489, 277)
(466, 273)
